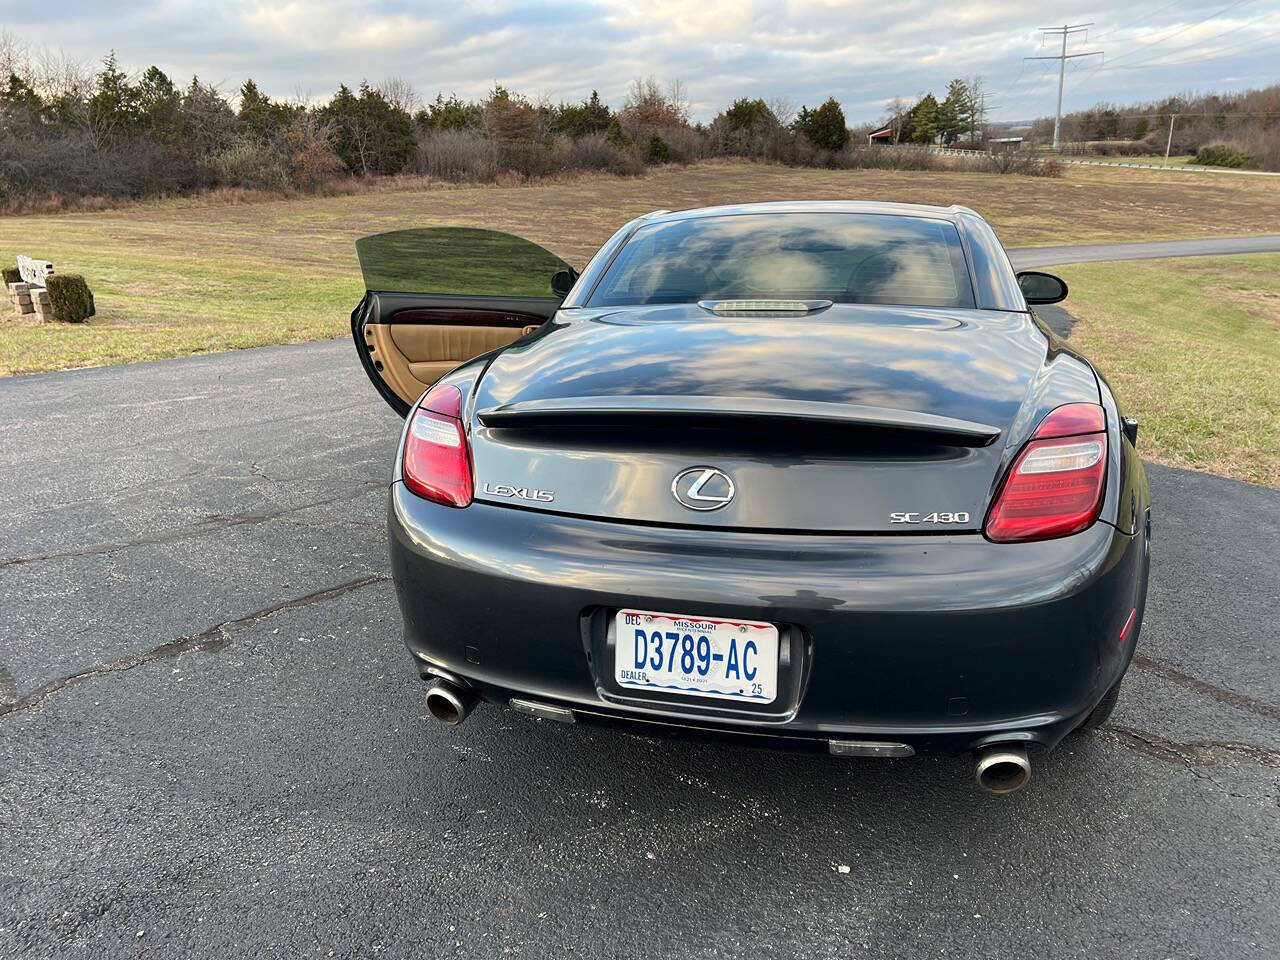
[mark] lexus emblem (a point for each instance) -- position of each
(702, 488)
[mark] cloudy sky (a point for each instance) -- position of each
(863, 53)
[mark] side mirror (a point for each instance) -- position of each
(1042, 287)
(562, 281)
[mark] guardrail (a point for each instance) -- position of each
(1080, 161)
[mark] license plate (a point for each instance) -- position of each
(696, 656)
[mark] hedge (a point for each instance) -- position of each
(70, 297)
(1220, 155)
(11, 275)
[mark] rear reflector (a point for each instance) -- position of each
(437, 462)
(1128, 625)
(1054, 488)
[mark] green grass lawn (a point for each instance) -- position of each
(1192, 349)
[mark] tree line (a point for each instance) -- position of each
(70, 132)
(1244, 125)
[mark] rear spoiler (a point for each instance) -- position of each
(566, 410)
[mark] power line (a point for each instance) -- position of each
(1065, 31)
(1227, 52)
(1145, 47)
(1201, 43)
(1133, 23)
(1170, 35)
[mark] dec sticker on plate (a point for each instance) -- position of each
(696, 656)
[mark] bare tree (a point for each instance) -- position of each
(678, 96)
(783, 108)
(400, 93)
(976, 120)
(647, 108)
(15, 56)
(896, 116)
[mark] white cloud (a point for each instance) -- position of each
(864, 53)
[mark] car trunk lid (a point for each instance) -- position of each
(858, 419)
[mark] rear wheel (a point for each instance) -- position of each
(1102, 712)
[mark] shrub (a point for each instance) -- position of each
(1263, 147)
(685, 144)
(312, 160)
(256, 164)
(1220, 155)
(1012, 161)
(616, 135)
(658, 151)
(458, 155)
(526, 159)
(70, 297)
(594, 152)
(11, 275)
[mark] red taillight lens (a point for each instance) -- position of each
(1054, 488)
(437, 463)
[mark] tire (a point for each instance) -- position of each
(1102, 712)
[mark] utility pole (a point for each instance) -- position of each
(1169, 142)
(1065, 31)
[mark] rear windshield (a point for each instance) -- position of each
(842, 257)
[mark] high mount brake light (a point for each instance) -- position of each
(1054, 487)
(437, 460)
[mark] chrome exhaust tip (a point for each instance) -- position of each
(1002, 768)
(449, 703)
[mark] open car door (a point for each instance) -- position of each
(437, 296)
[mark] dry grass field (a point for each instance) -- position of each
(202, 274)
(1190, 345)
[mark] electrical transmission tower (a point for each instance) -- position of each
(1064, 31)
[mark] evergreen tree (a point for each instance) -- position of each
(824, 127)
(924, 120)
(577, 120)
(953, 112)
(113, 111)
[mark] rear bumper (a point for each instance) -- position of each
(941, 642)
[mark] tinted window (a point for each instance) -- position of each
(846, 258)
(457, 261)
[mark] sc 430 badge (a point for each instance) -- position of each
(519, 493)
(929, 518)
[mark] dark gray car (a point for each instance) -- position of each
(810, 474)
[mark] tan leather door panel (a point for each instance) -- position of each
(421, 346)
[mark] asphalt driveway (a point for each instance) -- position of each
(212, 743)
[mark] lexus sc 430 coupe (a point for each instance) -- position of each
(815, 474)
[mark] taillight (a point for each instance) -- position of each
(1054, 488)
(436, 462)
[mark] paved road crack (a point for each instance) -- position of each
(1210, 690)
(1195, 756)
(214, 522)
(1200, 753)
(209, 640)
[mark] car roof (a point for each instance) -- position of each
(814, 206)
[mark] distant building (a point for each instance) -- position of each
(1004, 144)
(884, 135)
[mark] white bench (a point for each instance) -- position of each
(29, 294)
